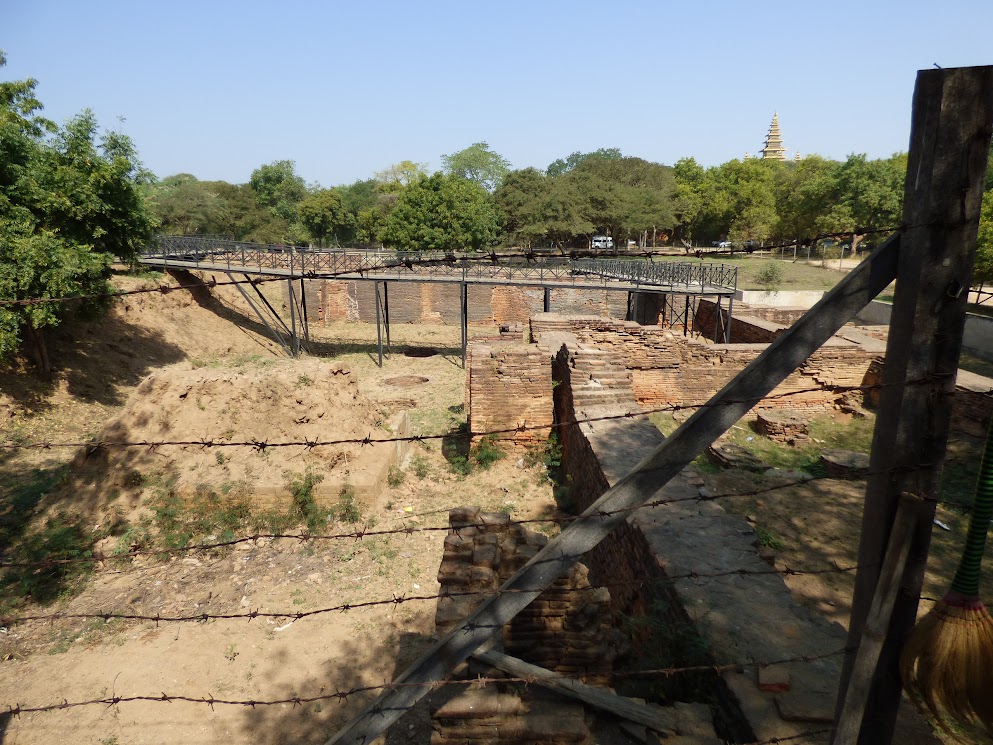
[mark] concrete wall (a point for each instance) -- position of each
(779, 299)
(977, 338)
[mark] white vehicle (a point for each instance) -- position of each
(602, 241)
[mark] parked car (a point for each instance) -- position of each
(725, 244)
(602, 241)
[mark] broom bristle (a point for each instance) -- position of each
(947, 663)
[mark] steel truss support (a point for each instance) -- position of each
(382, 319)
(285, 343)
(464, 319)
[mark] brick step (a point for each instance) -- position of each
(600, 399)
(611, 375)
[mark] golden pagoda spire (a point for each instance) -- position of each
(774, 142)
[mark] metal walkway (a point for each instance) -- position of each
(545, 269)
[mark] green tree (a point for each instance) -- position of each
(626, 197)
(182, 205)
(400, 174)
(69, 206)
(983, 269)
(324, 215)
(278, 187)
(865, 195)
(441, 212)
(688, 196)
(523, 198)
(562, 166)
(477, 163)
(803, 191)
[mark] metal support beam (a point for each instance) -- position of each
(379, 327)
(294, 340)
(464, 319)
(757, 380)
(303, 306)
(386, 315)
(272, 331)
(727, 329)
(547, 304)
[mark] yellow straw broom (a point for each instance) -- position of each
(947, 661)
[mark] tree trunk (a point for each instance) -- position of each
(40, 351)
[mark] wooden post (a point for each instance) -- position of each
(949, 144)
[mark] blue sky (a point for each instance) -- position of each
(345, 89)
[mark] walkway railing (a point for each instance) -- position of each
(463, 266)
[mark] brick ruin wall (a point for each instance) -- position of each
(670, 369)
(567, 629)
(439, 303)
(508, 384)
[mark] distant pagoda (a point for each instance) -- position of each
(774, 149)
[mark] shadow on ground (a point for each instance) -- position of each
(313, 723)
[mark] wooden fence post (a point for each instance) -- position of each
(949, 145)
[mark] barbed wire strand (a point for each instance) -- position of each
(363, 533)
(211, 701)
(397, 600)
(263, 445)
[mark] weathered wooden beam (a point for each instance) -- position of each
(757, 380)
(650, 715)
(949, 145)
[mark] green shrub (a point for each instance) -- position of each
(396, 476)
(486, 452)
(420, 466)
(547, 454)
(770, 277)
(302, 488)
(345, 510)
(460, 464)
(64, 536)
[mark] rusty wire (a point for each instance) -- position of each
(211, 701)
(263, 445)
(397, 600)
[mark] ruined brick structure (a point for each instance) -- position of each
(435, 302)
(567, 629)
(670, 369)
(507, 384)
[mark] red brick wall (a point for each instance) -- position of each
(435, 302)
(670, 369)
(508, 384)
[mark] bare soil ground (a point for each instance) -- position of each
(232, 380)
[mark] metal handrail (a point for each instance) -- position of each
(211, 253)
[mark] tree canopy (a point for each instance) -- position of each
(477, 163)
(441, 212)
(70, 204)
(564, 165)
